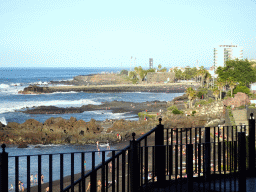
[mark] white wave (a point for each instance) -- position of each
(4, 86)
(3, 120)
(39, 83)
(13, 106)
(15, 84)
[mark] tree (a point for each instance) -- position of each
(220, 83)
(178, 73)
(191, 95)
(124, 72)
(208, 76)
(159, 66)
(240, 70)
(242, 89)
(231, 84)
(216, 93)
(132, 75)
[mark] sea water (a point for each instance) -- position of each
(13, 80)
(44, 150)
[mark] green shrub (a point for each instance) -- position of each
(193, 113)
(176, 111)
(241, 107)
(171, 108)
(242, 89)
(210, 100)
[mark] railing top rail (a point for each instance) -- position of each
(66, 153)
(147, 134)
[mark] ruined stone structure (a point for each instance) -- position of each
(160, 77)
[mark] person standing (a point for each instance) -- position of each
(42, 178)
(84, 165)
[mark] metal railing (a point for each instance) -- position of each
(163, 157)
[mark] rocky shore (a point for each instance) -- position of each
(165, 88)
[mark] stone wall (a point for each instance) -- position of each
(160, 77)
(214, 108)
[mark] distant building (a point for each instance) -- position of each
(150, 63)
(160, 77)
(222, 53)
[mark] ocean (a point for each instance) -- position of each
(13, 80)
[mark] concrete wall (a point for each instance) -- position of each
(157, 77)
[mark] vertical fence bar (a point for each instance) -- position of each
(103, 172)
(134, 168)
(61, 172)
(160, 154)
(113, 171)
(141, 163)
(146, 160)
(207, 153)
(4, 169)
(16, 173)
(171, 153)
(167, 152)
(93, 174)
(196, 153)
(123, 171)
(50, 172)
(219, 157)
(252, 144)
(72, 172)
(83, 167)
(28, 173)
(241, 161)
(39, 172)
(180, 153)
(189, 166)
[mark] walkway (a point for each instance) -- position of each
(240, 116)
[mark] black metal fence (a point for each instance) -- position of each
(208, 158)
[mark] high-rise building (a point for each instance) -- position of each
(150, 63)
(222, 53)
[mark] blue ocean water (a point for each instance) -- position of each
(13, 80)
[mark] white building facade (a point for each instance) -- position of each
(222, 53)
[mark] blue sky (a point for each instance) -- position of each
(100, 33)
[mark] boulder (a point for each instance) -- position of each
(31, 124)
(13, 125)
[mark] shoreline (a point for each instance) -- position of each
(116, 88)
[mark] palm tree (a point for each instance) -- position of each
(216, 93)
(208, 76)
(185, 104)
(231, 84)
(220, 83)
(191, 95)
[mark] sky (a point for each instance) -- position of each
(100, 33)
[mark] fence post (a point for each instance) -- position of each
(207, 153)
(252, 144)
(189, 166)
(160, 154)
(241, 161)
(3, 170)
(134, 165)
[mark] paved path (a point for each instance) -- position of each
(240, 116)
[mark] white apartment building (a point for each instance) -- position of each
(222, 53)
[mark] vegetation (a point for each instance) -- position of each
(242, 89)
(171, 108)
(176, 111)
(191, 95)
(124, 72)
(240, 71)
